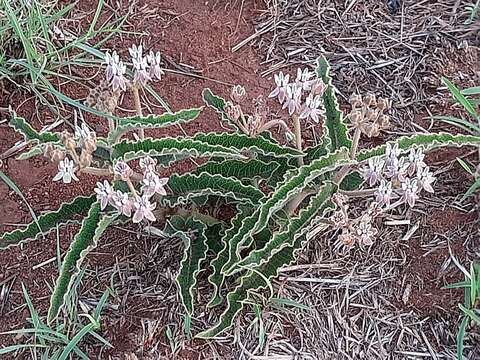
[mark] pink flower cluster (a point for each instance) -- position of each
(303, 97)
(145, 68)
(399, 178)
(140, 205)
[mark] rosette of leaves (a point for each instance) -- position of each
(258, 176)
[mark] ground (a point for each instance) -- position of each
(389, 300)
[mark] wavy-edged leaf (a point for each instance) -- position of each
(257, 278)
(319, 203)
(217, 278)
(92, 228)
(153, 121)
(34, 151)
(130, 150)
(241, 142)
(192, 232)
(337, 130)
(29, 133)
(217, 103)
(427, 141)
(48, 221)
(249, 169)
(295, 182)
(188, 186)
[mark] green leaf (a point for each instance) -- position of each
(460, 98)
(48, 221)
(463, 124)
(255, 279)
(29, 133)
(217, 103)
(471, 91)
(294, 184)
(217, 278)
(337, 130)
(85, 240)
(130, 150)
(187, 186)
(241, 142)
(427, 141)
(244, 170)
(471, 190)
(192, 232)
(317, 204)
(153, 122)
(461, 337)
(34, 151)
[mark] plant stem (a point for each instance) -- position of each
(297, 200)
(96, 171)
(138, 109)
(356, 140)
(358, 193)
(272, 123)
(298, 137)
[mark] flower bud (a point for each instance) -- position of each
(233, 111)
(384, 122)
(47, 150)
(355, 100)
(90, 145)
(238, 93)
(370, 100)
(319, 87)
(57, 155)
(383, 104)
(85, 159)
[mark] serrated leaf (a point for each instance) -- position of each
(337, 130)
(218, 104)
(217, 278)
(29, 133)
(187, 186)
(92, 228)
(48, 221)
(34, 151)
(244, 143)
(317, 204)
(256, 279)
(244, 170)
(295, 182)
(130, 150)
(427, 141)
(153, 122)
(192, 232)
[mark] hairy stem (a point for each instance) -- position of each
(297, 200)
(298, 137)
(138, 109)
(358, 193)
(96, 171)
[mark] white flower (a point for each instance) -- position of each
(154, 62)
(384, 193)
(83, 132)
(313, 108)
(392, 151)
(104, 193)
(122, 170)
(364, 231)
(140, 64)
(147, 164)
(143, 209)
(281, 90)
(123, 202)
(116, 71)
(318, 87)
(66, 171)
(410, 191)
(416, 158)
(396, 169)
(303, 79)
(373, 173)
(153, 184)
(425, 178)
(293, 98)
(135, 51)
